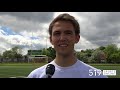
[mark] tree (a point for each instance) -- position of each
(51, 52)
(101, 48)
(109, 50)
(0, 55)
(115, 57)
(16, 53)
(89, 52)
(8, 54)
(12, 54)
(83, 56)
(98, 56)
(44, 51)
(1, 58)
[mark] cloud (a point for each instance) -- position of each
(31, 28)
(42, 17)
(29, 21)
(100, 28)
(23, 40)
(28, 26)
(84, 44)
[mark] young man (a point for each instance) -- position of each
(64, 33)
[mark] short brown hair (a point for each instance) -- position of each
(65, 17)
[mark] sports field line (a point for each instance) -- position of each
(13, 76)
(18, 77)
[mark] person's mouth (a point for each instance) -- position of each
(63, 45)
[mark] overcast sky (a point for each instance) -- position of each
(30, 29)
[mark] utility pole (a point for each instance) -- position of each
(31, 47)
(46, 47)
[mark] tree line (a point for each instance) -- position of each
(102, 54)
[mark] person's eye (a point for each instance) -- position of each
(69, 33)
(57, 33)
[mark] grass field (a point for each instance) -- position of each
(17, 69)
(21, 70)
(109, 67)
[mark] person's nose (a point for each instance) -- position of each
(63, 37)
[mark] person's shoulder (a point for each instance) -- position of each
(85, 65)
(37, 72)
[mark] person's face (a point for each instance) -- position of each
(63, 37)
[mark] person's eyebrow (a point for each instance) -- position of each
(56, 31)
(68, 31)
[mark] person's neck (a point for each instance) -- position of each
(65, 61)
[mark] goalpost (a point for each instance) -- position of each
(35, 56)
(38, 58)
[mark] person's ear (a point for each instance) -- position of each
(77, 39)
(51, 40)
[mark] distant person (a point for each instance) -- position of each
(64, 33)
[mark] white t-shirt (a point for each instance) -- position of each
(78, 70)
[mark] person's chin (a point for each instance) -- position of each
(63, 53)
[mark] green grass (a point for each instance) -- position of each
(109, 67)
(8, 70)
(17, 69)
